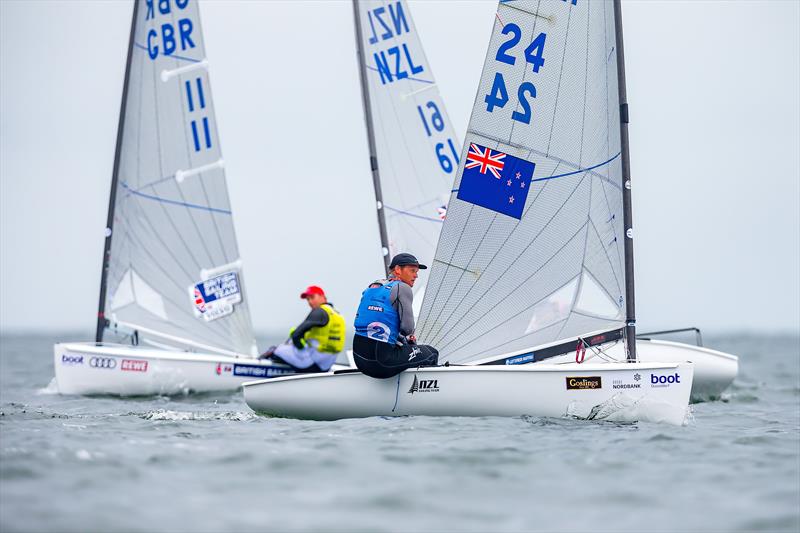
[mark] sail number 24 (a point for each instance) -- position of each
(533, 55)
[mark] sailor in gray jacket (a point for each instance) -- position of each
(385, 344)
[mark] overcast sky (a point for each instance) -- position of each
(715, 130)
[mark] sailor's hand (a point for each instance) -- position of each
(412, 339)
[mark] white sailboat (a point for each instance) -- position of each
(172, 279)
(539, 217)
(170, 239)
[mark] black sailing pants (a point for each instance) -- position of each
(383, 360)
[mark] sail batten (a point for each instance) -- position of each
(173, 266)
(530, 252)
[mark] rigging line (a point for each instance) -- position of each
(159, 239)
(483, 315)
(579, 171)
(494, 348)
(174, 202)
(494, 256)
(407, 78)
(608, 133)
(608, 258)
(214, 339)
(532, 151)
(534, 13)
(406, 213)
(422, 236)
(181, 308)
(444, 274)
(142, 47)
(522, 252)
(558, 89)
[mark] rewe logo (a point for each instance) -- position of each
(664, 381)
(424, 385)
(134, 365)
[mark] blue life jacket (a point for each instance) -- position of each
(376, 318)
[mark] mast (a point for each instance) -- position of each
(630, 319)
(101, 318)
(373, 157)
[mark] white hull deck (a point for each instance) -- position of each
(714, 371)
(120, 370)
(611, 391)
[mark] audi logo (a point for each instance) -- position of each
(103, 362)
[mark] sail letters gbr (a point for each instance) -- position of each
(392, 62)
(166, 38)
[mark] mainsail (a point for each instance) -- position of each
(171, 268)
(533, 248)
(413, 147)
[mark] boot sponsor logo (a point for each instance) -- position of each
(133, 365)
(424, 385)
(71, 360)
(584, 383)
(664, 381)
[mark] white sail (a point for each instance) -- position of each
(173, 269)
(417, 151)
(532, 249)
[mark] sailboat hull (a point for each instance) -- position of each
(714, 371)
(612, 391)
(119, 370)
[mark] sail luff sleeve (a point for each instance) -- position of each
(630, 319)
(101, 319)
(373, 158)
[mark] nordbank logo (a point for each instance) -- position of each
(664, 381)
(424, 385)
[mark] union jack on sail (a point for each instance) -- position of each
(486, 159)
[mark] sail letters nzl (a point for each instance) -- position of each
(166, 35)
(394, 63)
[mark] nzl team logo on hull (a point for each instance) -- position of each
(424, 385)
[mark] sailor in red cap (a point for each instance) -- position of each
(314, 344)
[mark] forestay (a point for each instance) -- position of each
(532, 249)
(416, 150)
(173, 268)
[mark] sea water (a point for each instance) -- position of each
(207, 463)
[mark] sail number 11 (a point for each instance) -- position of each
(498, 94)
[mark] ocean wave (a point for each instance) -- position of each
(179, 416)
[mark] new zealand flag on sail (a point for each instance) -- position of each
(495, 180)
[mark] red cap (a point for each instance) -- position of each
(312, 289)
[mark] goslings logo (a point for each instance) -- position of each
(134, 365)
(584, 383)
(108, 363)
(424, 385)
(71, 359)
(664, 381)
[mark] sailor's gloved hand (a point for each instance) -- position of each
(412, 339)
